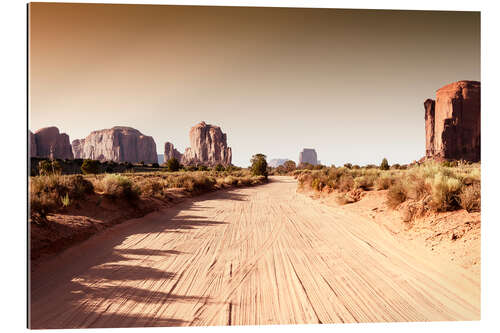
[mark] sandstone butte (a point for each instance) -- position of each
(208, 147)
(118, 144)
(453, 122)
(308, 155)
(171, 152)
(49, 143)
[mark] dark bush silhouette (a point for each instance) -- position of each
(90, 167)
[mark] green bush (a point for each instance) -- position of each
(219, 167)
(384, 165)
(90, 167)
(173, 164)
(259, 165)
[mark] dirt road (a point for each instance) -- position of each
(259, 255)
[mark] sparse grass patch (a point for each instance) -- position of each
(470, 198)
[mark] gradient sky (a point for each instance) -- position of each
(349, 83)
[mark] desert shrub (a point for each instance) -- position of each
(173, 165)
(80, 187)
(345, 183)
(384, 181)
(348, 165)
(155, 165)
(289, 166)
(47, 167)
(202, 167)
(396, 194)
(365, 182)
(203, 183)
(470, 198)
(90, 167)
(219, 167)
(116, 186)
(395, 166)
(384, 165)
(259, 165)
(445, 192)
(356, 167)
(48, 193)
(316, 184)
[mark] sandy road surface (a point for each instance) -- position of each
(259, 255)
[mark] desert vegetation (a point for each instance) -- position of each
(430, 186)
(52, 192)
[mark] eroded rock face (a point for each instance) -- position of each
(454, 130)
(118, 144)
(171, 152)
(429, 106)
(48, 142)
(308, 155)
(32, 143)
(208, 146)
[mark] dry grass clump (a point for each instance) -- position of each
(47, 193)
(470, 198)
(397, 194)
(116, 186)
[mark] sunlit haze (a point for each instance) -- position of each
(349, 83)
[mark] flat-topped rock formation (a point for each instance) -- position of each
(49, 143)
(208, 146)
(118, 144)
(308, 155)
(171, 152)
(453, 122)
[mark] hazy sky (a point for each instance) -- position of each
(349, 83)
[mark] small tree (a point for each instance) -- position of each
(90, 167)
(259, 165)
(173, 164)
(219, 167)
(289, 166)
(155, 165)
(384, 165)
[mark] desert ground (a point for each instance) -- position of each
(249, 256)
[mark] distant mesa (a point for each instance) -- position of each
(49, 143)
(308, 155)
(171, 152)
(453, 122)
(208, 147)
(276, 162)
(118, 144)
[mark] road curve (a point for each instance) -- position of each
(249, 256)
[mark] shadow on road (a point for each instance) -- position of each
(71, 290)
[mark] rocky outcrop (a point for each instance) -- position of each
(308, 155)
(32, 143)
(453, 122)
(49, 143)
(118, 144)
(208, 146)
(429, 106)
(171, 152)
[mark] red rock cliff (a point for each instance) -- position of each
(454, 131)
